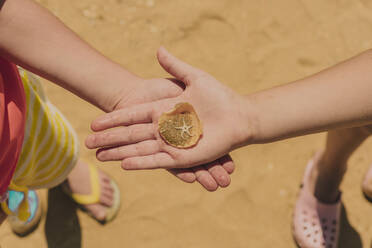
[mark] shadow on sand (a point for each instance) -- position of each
(62, 227)
(349, 237)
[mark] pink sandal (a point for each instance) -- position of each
(315, 224)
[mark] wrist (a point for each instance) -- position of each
(121, 86)
(247, 128)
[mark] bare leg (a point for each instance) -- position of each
(332, 162)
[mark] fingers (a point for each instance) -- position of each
(186, 175)
(215, 174)
(205, 178)
(154, 161)
(219, 174)
(227, 163)
(143, 148)
(210, 176)
(121, 136)
(177, 68)
(124, 117)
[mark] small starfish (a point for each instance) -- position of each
(184, 129)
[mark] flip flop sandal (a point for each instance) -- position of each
(315, 224)
(24, 213)
(367, 185)
(83, 199)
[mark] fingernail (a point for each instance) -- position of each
(224, 181)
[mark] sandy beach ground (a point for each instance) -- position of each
(248, 45)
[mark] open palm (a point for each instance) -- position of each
(137, 141)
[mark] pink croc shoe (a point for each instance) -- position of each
(315, 224)
(367, 185)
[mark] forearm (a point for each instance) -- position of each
(338, 97)
(35, 39)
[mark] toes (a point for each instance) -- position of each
(106, 199)
(105, 179)
(97, 210)
(107, 191)
(105, 184)
(108, 188)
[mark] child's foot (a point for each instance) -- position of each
(23, 227)
(315, 224)
(94, 191)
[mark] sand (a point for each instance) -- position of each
(248, 45)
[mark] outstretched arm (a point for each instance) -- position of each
(338, 97)
(32, 37)
(335, 98)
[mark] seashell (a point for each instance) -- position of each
(181, 126)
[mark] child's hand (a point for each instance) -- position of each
(218, 107)
(211, 175)
(147, 90)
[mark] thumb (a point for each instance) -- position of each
(176, 67)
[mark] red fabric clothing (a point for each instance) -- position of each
(12, 121)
